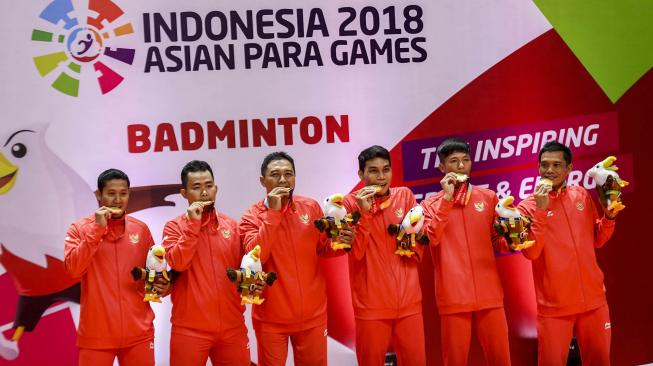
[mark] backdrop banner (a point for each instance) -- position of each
(146, 86)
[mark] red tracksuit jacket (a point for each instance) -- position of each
(203, 298)
(290, 246)
(383, 284)
(567, 277)
(113, 313)
(462, 241)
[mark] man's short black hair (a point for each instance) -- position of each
(373, 152)
(452, 145)
(193, 167)
(108, 175)
(277, 155)
(553, 146)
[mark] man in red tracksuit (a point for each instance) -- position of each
(207, 317)
(568, 281)
(295, 307)
(102, 249)
(459, 223)
(385, 286)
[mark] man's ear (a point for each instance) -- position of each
(262, 180)
(183, 192)
(360, 174)
(441, 167)
(98, 195)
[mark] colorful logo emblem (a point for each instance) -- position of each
(133, 238)
(79, 38)
(479, 206)
(304, 218)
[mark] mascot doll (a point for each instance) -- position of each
(156, 269)
(250, 278)
(608, 183)
(512, 225)
(335, 219)
(408, 233)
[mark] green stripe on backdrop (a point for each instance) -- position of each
(613, 39)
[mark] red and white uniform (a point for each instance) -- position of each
(468, 288)
(568, 281)
(113, 317)
(385, 287)
(295, 306)
(207, 317)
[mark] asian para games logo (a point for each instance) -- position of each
(79, 35)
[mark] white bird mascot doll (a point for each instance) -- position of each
(512, 224)
(250, 278)
(335, 219)
(155, 266)
(608, 183)
(408, 233)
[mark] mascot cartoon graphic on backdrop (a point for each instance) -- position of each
(39, 197)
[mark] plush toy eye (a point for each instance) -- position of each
(18, 150)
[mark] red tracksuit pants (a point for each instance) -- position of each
(309, 347)
(491, 328)
(141, 354)
(592, 330)
(229, 347)
(406, 336)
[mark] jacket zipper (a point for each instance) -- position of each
(394, 269)
(208, 237)
(122, 326)
(299, 282)
(469, 253)
(573, 240)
